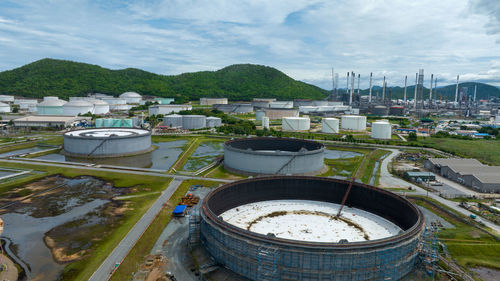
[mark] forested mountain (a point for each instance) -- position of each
(237, 82)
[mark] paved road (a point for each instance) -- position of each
(119, 253)
(122, 170)
(388, 180)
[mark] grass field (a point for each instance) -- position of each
(148, 239)
(148, 186)
(468, 245)
(486, 151)
(366, 171)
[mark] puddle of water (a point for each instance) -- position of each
(27, 223)
(6, 173)
(487, 274)
(204, 154)
(340, 154)
(24, 151)
(374, 172)
(161, 158)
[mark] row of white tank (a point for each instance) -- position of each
(56, 106)
(190, 122)
(380, 129)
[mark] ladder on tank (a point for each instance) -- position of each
(97, 147)
(290, 160)
(267, 268)
(194, 228)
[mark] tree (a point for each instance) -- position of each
(412, 136)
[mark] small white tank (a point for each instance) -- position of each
(295, 123)
(330, 125)
(381, 130)
(259, 114)
(265, 122)
(353, 122)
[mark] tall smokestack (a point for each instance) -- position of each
(359, 77)
(436, 90)
(353, 76)
(406, 80)
(456, 91)
(333, 85)
(415, 97)
(430, 91)
(383, 91)
(347, 84)
(370, 95)
(475, 92)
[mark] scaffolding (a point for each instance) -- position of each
(267, 268)
(429, 250)
(194, 228)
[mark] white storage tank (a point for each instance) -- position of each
(265, 122)
(259, 114)
(76, 107)
(295, 123)
(100, 107)
(381, 130)
(281, 104)
(50, 106)
(497, 119)
(213, 122)
(353, 122)
(173, 120)
(131, 97)
(330, 125)
(190, 122)
(6, 98)
(4, 107)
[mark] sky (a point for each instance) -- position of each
(304, 39)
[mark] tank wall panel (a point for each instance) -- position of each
(117, 146)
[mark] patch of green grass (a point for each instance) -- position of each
(143, 247)
(366, 171)
(467, 245)
(220, 172)
(484, 150)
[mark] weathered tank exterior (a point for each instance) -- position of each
(274, 156)
(263, 257)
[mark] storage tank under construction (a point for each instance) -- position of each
(295, 123)
(381, 130)
(310, 228)
(330, 125)
(107, 142)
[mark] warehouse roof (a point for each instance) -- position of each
(455, 161)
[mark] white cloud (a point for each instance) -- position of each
(301, 38)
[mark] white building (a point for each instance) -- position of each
(212, 101)
(4, 107)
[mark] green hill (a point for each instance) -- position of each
(484, 91)
(236, 82)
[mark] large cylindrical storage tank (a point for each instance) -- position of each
(381, 130)
(77, 107)
(397, 110)
(127, 123)
(50, 106)
(330, 125)
(497, 119)
(173, 120)
(107, 142)
(100, 107)
(234, 107)
(295, 123)
(213, 122)
(353, 122)
(4, 107)
(265, 122)
(190, 122)
(380, 110)
(258, 254)
(131, 97)
(6, 98)
(281, 104)
(278, 113)
(116, 123)
(266, 155)
(259, 114)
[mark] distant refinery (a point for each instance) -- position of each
(422, 101)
